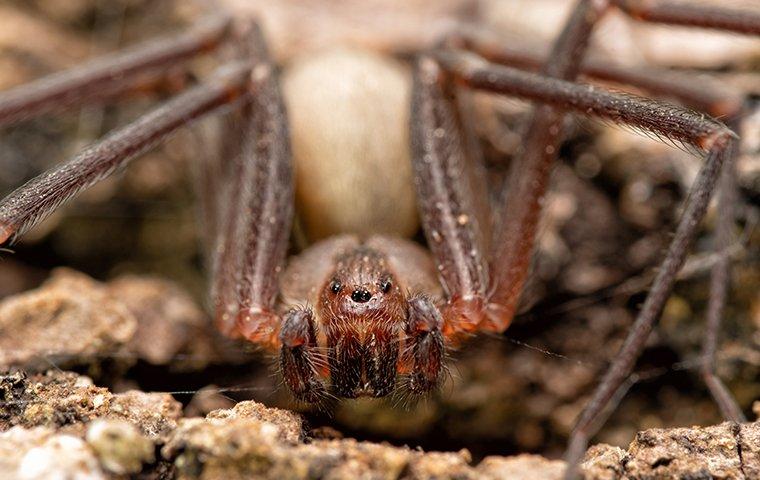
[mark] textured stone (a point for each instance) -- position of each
(70, 318)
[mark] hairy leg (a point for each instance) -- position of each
(261, 215)
(521, 200)
(424, 344)
(225, 185)
(747, 22)
(446, 199)
(29, 204)
(691, 128)
(138, 68)
(693, 15)
(720, 281)
(300, 359)
(699, 93)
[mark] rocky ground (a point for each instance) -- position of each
(60, 425)
(82, 347)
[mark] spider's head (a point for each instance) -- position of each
(362, 315)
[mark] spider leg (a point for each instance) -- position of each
(520, 205)
(220, 186)
(747, 22)
(699, 93)
(694, 129)
(253, 242)
(720, 280)
(136, 69)
(30, 203)
(425, 344)
(300, 359)
(446, 199)
(253, 136)
(219, 165)
(448, 203)
(680, 13)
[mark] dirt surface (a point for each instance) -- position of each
(128, 316)
(60, 424)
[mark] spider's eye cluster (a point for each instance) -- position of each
(336, 286)
(386, 285)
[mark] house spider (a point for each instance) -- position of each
(374, 312)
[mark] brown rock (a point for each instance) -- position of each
(74, 320)
(69, 318)
(727, 450)
(171, 327)
(61, 418)
(289, 423)
(442, 465)
(155, 414)
(706, 452)
(54, 400)
(604, 462)
(64, 400)
(521, 467)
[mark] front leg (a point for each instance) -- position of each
(424, 350)
(258, 213)
(447, 201)
(300, 359)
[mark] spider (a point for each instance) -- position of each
(359, 315)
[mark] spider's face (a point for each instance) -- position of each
(362, 315)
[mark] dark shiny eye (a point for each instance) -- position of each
(386, 286)
(336, 286)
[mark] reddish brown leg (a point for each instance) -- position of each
(300, 360)
(668, 121)
(521, 201)
(721, 146)
(446, 200)
(735, 21)
(222, 201)
(264, 209)
(425, 344)
(720, 280)
(698, 93)
(32, 202)
(105, 78)
(225, 189)
(689, 14)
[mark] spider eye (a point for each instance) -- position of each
(336, 286)
(386, 285)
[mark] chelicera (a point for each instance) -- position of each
(363, 315)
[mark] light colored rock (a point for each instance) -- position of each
(521, 467)
(119, 446)
(59, 457)
(290, 424)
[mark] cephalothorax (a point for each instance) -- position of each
(361, 316)
(365, 325)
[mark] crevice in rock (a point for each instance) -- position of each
(736, 430)
(661, 462)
